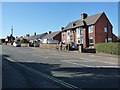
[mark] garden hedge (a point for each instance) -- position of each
(110, 48)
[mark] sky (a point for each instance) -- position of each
(40, 17)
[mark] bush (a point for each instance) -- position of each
(110, 48)
(23, 40)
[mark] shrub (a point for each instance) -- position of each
(110, 48)
(23, 40)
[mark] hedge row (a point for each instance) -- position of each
(110, 48)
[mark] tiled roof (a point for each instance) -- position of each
(51, 35)
(90, 20)
(38, 36)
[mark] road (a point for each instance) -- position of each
(24, 67)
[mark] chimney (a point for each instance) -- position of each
(62, 28)
(27, 35)
(35, 33)
(83, 16)
(50, 32)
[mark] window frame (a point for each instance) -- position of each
(109, 39)
(90, 28)
(91, 43)
(105, 29)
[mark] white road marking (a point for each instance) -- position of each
(10, 59)
(107, 66)
(44, 56)
(100, 56)
(99, 61)
(80, 61)
(75, 63)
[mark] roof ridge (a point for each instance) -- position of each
(87, 17)
(89, 20)
(95, 14)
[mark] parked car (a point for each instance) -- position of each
(16, 44)
(36, 44)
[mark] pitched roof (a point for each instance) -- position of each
(34, 37)
(51, 35)
(90, 20)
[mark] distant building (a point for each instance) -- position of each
(10, 38)
(52, 37)
(89, 30)
(35, 37)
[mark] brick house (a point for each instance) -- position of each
(89, 30)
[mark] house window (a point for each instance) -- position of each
(105, 29)
(90, 29)
(81, 31)
(79, 35)
(63, 35)
(109, 39)
(68, 41)
(81, 40)
(77, 30)
(70, 32)
(91, 41)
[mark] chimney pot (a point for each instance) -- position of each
(35, 33)
(50, 32)
(83, 16)
(62, 28)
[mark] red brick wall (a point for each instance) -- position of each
(58, 37)
(84, 37)
(100, 35)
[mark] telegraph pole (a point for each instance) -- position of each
(11, 36)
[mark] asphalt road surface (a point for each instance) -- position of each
(24, 67)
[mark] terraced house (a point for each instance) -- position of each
(89, 30)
